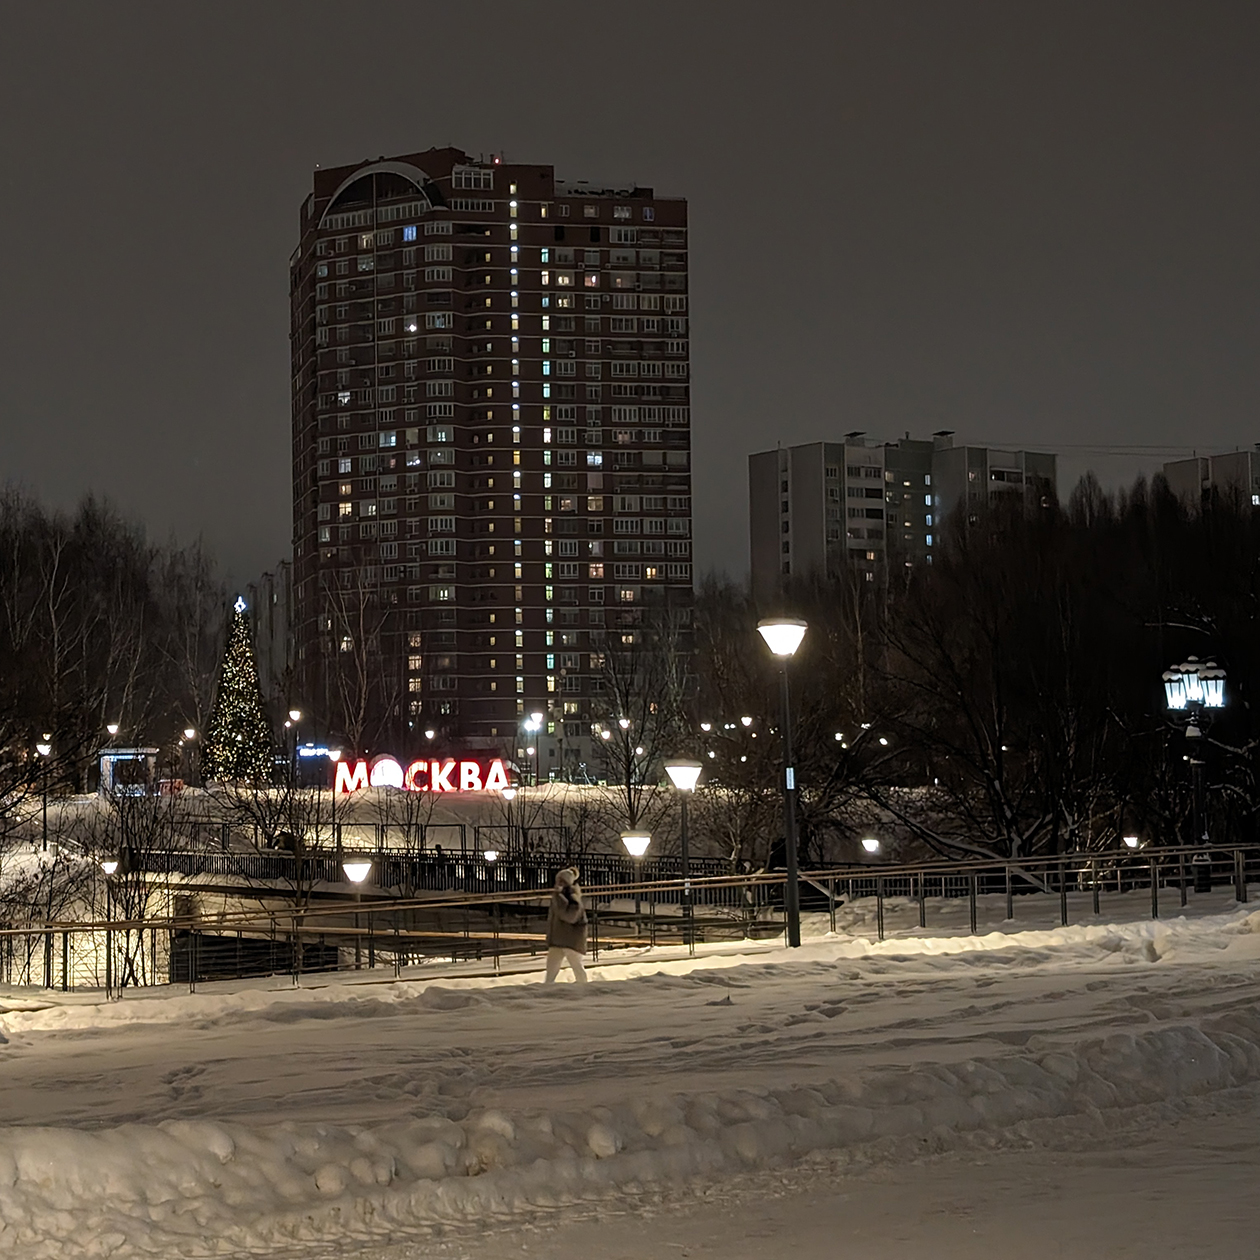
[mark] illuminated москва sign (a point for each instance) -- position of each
(447, 775)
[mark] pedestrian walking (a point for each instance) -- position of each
(566, 927)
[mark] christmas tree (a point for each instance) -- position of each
(238, 736)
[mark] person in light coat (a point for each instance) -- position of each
(566, 928)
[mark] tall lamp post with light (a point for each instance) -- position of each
(295, 716)
(783, 636)
(1195, 693)
(109, 866)
(190, 751)
(532, 725)
(636, 843)
(356, 873)
(44, 748)
(684, 775)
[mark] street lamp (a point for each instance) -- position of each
(783, 636)
(190, 735)
(295, 716)
(871, 845)
(44, 748)
(109, 866)
(1194, 692)
(684, 775)
(636, 843)
(532, 725)
(356, 872)
(112, 728)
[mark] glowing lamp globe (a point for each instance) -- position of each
(783, 635)
(871, 845)
(109, 867)
(636, 842)
(1131, 842)
(357, 872)
(491, 855)
(683, 774)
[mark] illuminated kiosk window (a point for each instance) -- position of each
(127, 771)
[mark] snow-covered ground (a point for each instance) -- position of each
(847, 1089)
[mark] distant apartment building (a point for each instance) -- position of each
(975, 476)
(1232, 476)
(866, 506)
(491, 443)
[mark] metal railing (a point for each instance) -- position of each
(493, 910)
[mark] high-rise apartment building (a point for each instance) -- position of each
(869, 507)
(491, 445)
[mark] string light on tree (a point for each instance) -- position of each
(238, 737)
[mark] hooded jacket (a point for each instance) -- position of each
(566, 916)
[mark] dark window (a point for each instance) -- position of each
(594, 233)
(559, 231)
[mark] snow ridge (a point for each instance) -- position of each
(203, 1188)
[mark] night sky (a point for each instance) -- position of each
(1034, 224)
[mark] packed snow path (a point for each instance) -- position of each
(261, 1120)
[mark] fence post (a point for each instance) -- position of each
(879, 905)
(971, 897)
(65, 962)
(922, 879)
(1154, 889)
(1181, 875)
(1096, 881)
(1063, 892)
(1240, 876)
(1010, 897)
(831, 902)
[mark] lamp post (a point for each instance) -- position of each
(356, 873)
(509, 795)
(1194, 692)
(44, 748)
(334, 756)
(783, 636)
(295, 716)
(109, 867)
(532, 725)
(636, 843)
(190, 739)
(684, 775)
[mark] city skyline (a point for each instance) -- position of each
(1033, 229)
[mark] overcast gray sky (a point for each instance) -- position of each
(1033, 224)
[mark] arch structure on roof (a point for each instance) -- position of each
(360, 187)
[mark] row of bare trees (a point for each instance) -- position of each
(97, 626)
(1005, 700)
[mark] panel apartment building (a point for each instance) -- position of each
(1233, 476)
(864, 506)
(491, 444)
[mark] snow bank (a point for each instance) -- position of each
(199, 1188)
